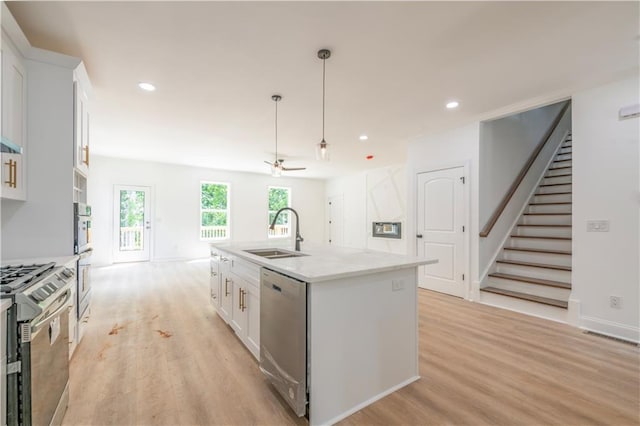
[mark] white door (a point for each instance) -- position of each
(440, 233)
(336, 221)
(132, 223)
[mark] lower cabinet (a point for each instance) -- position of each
(238, 297)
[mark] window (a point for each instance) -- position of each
(214, 211)
(278, 198)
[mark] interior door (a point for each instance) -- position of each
(336, 221)
(132, 223)
(440, 230)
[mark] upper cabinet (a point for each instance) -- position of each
(81, 118)
(14, 123)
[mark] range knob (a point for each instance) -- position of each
(68, 273)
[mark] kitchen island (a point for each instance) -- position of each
(362, 319)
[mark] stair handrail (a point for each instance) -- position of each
(518, 180)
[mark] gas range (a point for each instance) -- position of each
(34, 288)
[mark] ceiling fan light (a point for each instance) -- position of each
(276, 171)
(322, 151)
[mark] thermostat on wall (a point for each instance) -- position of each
(387, 230)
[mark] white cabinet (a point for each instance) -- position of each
(239, 297)
(14, 113)
(81, 153)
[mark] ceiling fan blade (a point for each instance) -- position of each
(292, 169)
(269, 163)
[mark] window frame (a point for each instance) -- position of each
(227, 211)
(269, 232)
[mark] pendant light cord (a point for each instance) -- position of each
(276, 160)
(323, 94)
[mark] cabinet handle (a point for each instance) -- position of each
(243, 304)
(86, 155)
(12, 182)
(214, 274)
(240, 299)
(226, 288)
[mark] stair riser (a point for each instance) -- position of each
(560, 156)
(535, 243)
(532, 272)
(552, 198)
(537, 290)
(532, 257)
(542, 231)
(550, 208)
(546, 220)
(565, 151)
(552, 173)
(558, 164)
(554, 189)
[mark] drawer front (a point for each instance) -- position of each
(249, 271)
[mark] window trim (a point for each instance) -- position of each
(201, 210)
(289, 191)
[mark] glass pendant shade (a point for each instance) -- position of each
(322, 151)
(276, 171)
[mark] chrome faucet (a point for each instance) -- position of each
(298, 236)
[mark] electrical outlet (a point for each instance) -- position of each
(615, 302)
(597, 226)
(397, 285)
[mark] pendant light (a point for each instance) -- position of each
(322, 149)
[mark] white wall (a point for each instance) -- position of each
(505, 146)
(457, 147)
(374, 195)
(175, 205)
(606, 187)
(353, 189)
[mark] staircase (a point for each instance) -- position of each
(535, 263)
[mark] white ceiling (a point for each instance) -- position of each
(393, 67)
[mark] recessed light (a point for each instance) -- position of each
(364, 137)
(146, 86)
(452, 104)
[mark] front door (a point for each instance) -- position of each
(132, 223)
(440, 230)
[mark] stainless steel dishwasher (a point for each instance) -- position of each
(283, 336)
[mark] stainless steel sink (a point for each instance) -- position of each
(274, 253)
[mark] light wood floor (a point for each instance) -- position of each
(155, 352)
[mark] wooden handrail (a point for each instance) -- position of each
(518, 180)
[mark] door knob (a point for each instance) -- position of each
(419, 236)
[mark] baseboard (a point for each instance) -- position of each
(370, 401)
(610, 328)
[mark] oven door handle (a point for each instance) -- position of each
(36, 327)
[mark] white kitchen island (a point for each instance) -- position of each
(362, 322)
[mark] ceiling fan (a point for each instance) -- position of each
(276, 166)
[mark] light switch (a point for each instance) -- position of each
(597, 226)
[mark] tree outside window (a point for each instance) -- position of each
(214, 211)
(279, 197)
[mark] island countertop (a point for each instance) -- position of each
(323, 263)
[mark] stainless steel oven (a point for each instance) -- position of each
(82, 227)
(37, 342)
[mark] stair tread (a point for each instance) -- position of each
(541, 237)
(547, 214)
(545, 225)
(560, 161)
(554, 184)
(561, 167)
(552, 193)
(535, 265)
(563, 252)
(555, 176)
(531, 280)
(549, 204)
(530, 297)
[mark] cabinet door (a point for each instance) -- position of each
(81, 129)
(13, 175)
(252, 303)
(226, 296)
(14, 95)
(214, 282)
(238, 310)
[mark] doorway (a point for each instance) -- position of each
(441, 213)
(132, 223)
